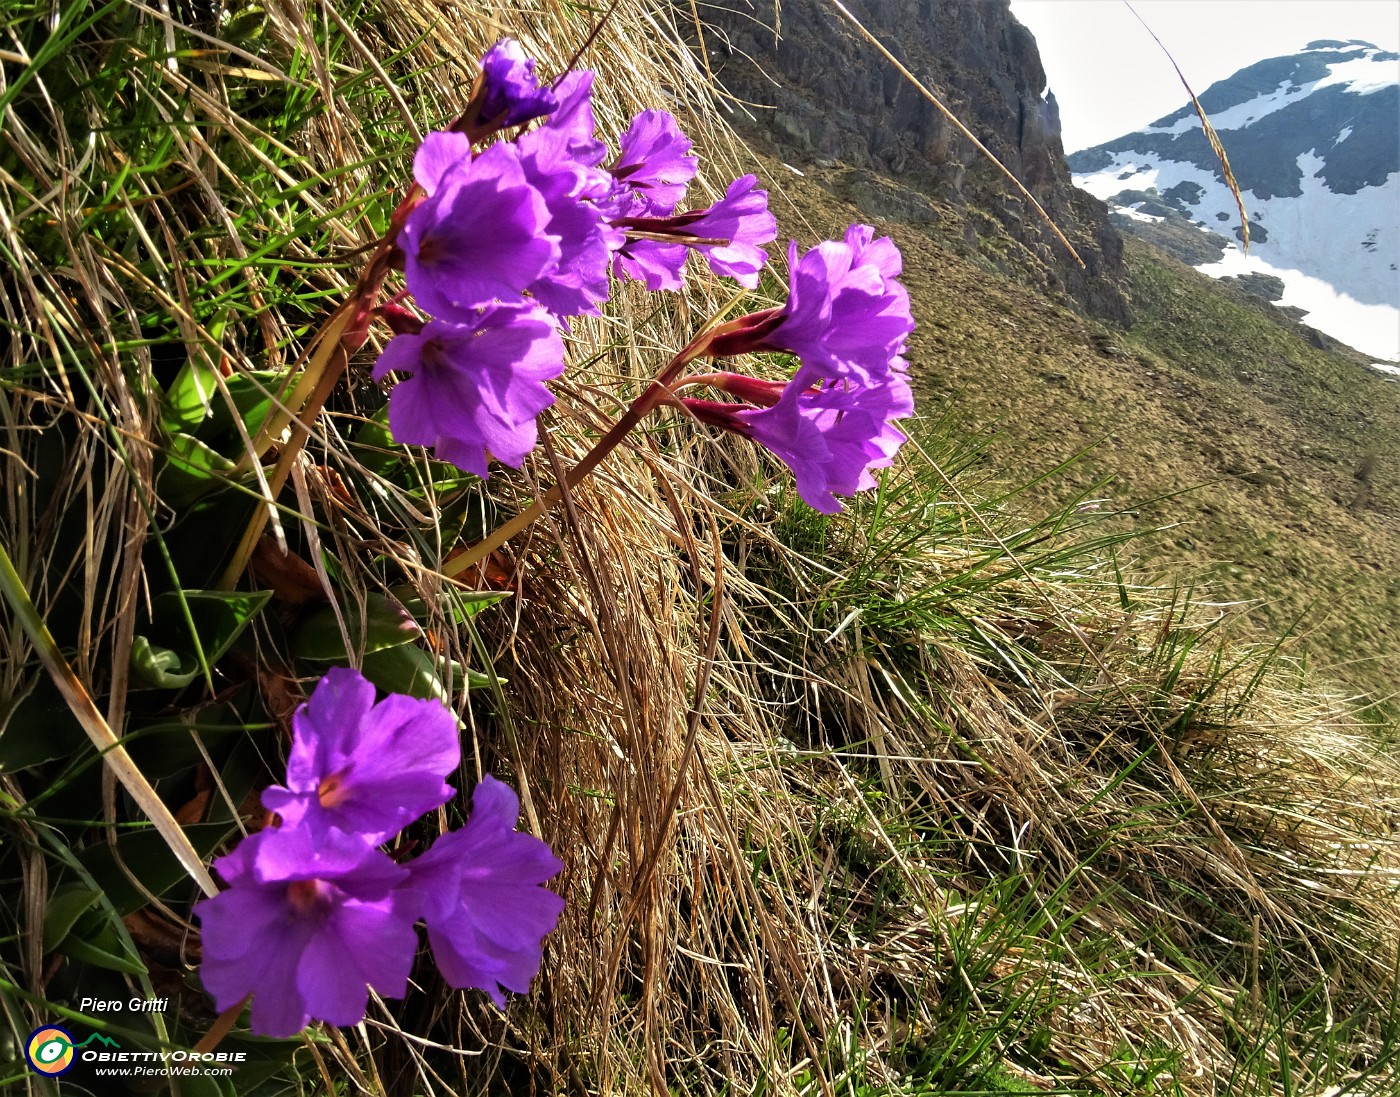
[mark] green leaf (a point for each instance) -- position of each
(144, 854)
(191, 469)
(164, 656)
(375, 448)
(411, 670)
(187, 400)
(460, 604)
(69, 903)
(204, 1085)
(89, 953)
(386, 625)
(471, 602)
(94, 940)
(161, 668)
(476, 679)
(38, 728)
(165, 748)
(248, 390)
(242, 772)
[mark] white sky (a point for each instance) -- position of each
(1110, 77)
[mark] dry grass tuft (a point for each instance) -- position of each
(1125, 840)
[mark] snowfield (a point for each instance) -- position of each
(1337, 254)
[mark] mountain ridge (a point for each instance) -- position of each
(1314, 141)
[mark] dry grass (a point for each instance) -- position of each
(924, 793)
(1110, 786)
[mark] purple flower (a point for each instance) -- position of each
(653, 262)
(652, 166)
(578, 282)
(727, 234)
(479, 891)
(573, 119)
(362, 768)
(474, 389)
(441, 153)
(480, 235)
(830, 437)
(307, 926)
(741, 217)
(510, 90)
(869, 309)
(847, 316)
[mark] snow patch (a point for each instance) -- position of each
(1336, 47)
(1350, 240)
(1136, 214)
(1363, 75)
(1346, 132)
(1241, 114)
(1371, 329)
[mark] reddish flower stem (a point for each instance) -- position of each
(656, 394)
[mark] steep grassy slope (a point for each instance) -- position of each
(1267, 463)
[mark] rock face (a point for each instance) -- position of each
(825, 95)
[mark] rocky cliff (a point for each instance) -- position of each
(803, 77)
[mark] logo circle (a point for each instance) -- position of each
(49, 1050)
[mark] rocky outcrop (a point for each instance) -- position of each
(808, 81)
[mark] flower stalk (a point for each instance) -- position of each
(656, 394)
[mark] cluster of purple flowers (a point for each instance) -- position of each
(506, 243)
(316, 914)
(846, 319)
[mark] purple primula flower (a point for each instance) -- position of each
(652, 166)
(830, 437)
(573, 119)
(307, 926)
(441, 153)
(479, 891)
(511, 93)
(480, 235)
(727, 234)
(846, 316)
(474, 389)
(741, 217)
(578, 282)
(659, 265)
(870, 318)
(364, 768)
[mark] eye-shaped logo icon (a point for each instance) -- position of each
(49, 1050)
